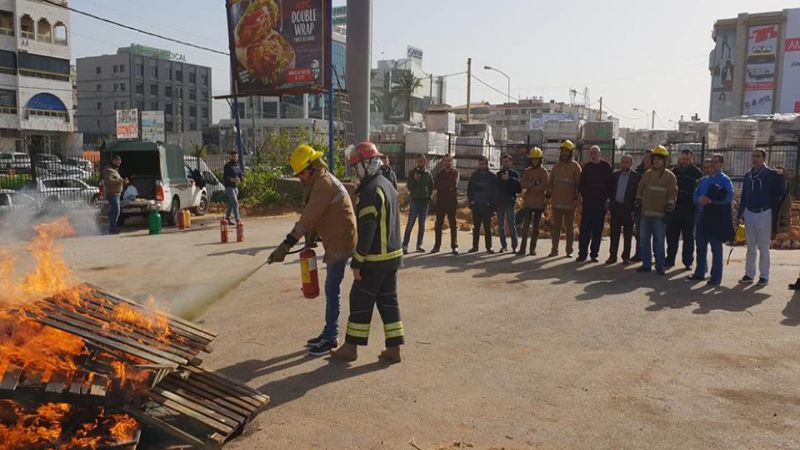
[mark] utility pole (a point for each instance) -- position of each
(601, 108)
(469, 88)
(653, 123)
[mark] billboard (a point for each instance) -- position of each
(759, 83)
(414, 52)
(723, 61)
(279, 47)
(790, 86)
(153, 126)
(127, 124)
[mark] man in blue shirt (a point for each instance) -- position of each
(232, 176)
(713, 198)
(763, 191)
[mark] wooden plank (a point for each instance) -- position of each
(77, 382)
(191, 414)
(230, 408)
(144, 417)
(32, 378)
(215, 390)
(11, 378)
(57, 384)
(196, 404)
(211, 392)
(150, 355)
(229, 385)
(99, 383)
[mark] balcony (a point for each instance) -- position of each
(8, 110)
(6, 31)
(30, 112)
(27, 35)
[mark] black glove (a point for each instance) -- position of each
(279, 254)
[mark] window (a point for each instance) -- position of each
(115, 68)
(98, 70)
(99, 106)
(116, 106)
(168, 108)
(204, 113)
(168, 91)
(140, 69)
(99, 87)
(169, 74)
(179, 75)
(153, 89)
(45, 33)
(140, 87)
(8, 98)
(122, 87)
(116, 87)
(193, 111)
(155, 72)
(204, 79)
(153, 106)
(60, 33)
(44, 66)
(169, 126)
(122, 68)
(140, 105)
(192, 77)
(204, 95)
(8, 62)
(192, 94)
(193, 126)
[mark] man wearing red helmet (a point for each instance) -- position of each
(376, 260)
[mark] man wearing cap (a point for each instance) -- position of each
(655, 197)
(534, 181)
(376, 260)
(562, 189)
(328, 214)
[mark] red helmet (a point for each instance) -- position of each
(363, 151)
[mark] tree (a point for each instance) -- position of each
(406, 84)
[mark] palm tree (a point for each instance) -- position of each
(406, 84)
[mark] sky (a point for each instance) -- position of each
(650, 55)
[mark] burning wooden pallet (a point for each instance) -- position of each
(132, 362)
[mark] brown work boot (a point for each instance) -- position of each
(347, 352)
(391, 355)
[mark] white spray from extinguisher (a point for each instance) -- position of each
(192, 304)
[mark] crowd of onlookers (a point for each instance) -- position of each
(659, 206)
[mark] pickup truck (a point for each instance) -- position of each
(162, 178)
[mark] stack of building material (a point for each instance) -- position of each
(426, 143)
(441, 122)
(738, 133)
(468, 150)
(559, 130)
(552, 151)
(595, 132)
(779, 128)
(702, 131)
(482, 130)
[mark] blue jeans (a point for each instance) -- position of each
(113, 212)
(507, 213)
(233, 202)
(334, 274)
(417, 212)
(652, 235)
(703, 242)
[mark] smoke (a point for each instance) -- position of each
(192, 303)
(19, 225)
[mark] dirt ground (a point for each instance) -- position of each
(502, 352)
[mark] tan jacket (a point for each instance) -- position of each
(657, 191)
(329, 213)
(563, 185)
(112, 181)
(534, 181)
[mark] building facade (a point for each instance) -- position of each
(755, 65)
(35, 89)
(146, 79)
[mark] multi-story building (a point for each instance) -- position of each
(389, 90)
(755, 65)
(146, 79)
(35, 89)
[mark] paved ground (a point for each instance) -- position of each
(502, 351)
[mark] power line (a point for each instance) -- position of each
(138, 30)
(494, 88)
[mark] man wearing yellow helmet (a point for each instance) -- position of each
(534, 181)
(329, 214)
(655, 196)
(562, 188)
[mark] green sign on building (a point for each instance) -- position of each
(156, 53)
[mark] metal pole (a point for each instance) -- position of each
(239, 143)
(331, 152)
(469, 88)
(653, 124)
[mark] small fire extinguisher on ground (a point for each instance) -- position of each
(239, 231)
(309, 273)
(223, 230)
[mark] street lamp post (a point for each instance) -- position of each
(503, 74)
(653, 121)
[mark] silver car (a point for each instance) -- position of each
(62, 190)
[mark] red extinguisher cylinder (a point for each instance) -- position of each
(223, 231)
(239, 232)
(309, 273)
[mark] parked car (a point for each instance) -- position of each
(75, 172)
(61, 190)
(11, 201)
(162, 178)
(80, 163)
(16, 161)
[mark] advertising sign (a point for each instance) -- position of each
(156, 53)
(723, 61)
(279, 47)
(759, 83)
(153, 126)
(414, 52)
(127, 124)
(790, 86)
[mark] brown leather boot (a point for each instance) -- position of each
(390, 355)
(347, 352)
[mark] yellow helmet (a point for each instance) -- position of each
(741, 236)
(536, 153)
(567, 145)
(661, 151)
(302, 156)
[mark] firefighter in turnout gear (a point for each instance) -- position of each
(376, 260)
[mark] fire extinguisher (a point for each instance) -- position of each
(239, 231)
(223, 230)
(309, 274)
